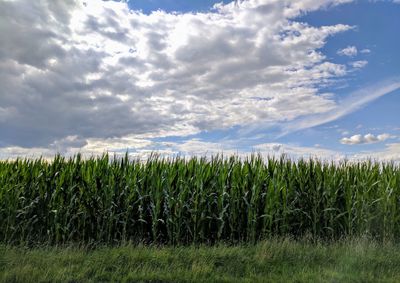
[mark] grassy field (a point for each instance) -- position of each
(267, 261)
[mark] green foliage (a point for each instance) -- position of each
(275, 260)
(198, 200)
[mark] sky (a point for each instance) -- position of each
(303, 78)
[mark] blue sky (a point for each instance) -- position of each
(305, 77)
(180, 6)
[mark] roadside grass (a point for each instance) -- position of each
(276, 260)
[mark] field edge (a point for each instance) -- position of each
(276, 260)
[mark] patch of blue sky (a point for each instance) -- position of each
(375, 37)
(381, 115)
(180, 6)
(376, 29)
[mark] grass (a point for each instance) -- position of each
(179, 201)
(267, 261)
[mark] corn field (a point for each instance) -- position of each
(197, 200)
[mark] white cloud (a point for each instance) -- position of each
(195, 147)
(366, 139)
(74, 73)
(71, 145)
(391, 1)
(349, 104)
(359, 64)
(365, 51)
(391, 152)
(204, 148)
(295, 151)
(349, 51)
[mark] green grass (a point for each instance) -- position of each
(177, 201)
(267, 261)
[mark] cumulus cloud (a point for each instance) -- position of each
(359, 64)
(295, 151)
(366, 139)
(75, 72)
(198, 147)
(349, 51)
(71, 145)
(143, 149)
(391, 152)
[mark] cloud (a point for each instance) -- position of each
(71, 145)
(391, 152)
(295, 151)
(365, 51)
(344, 107)
(349, 51)
(143, 149)
(359, 64)
(391, 1)
(198, 147)
(73, 72)
(366, 139)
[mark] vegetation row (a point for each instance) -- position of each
(199, 200)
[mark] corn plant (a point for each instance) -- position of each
(197, 200)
